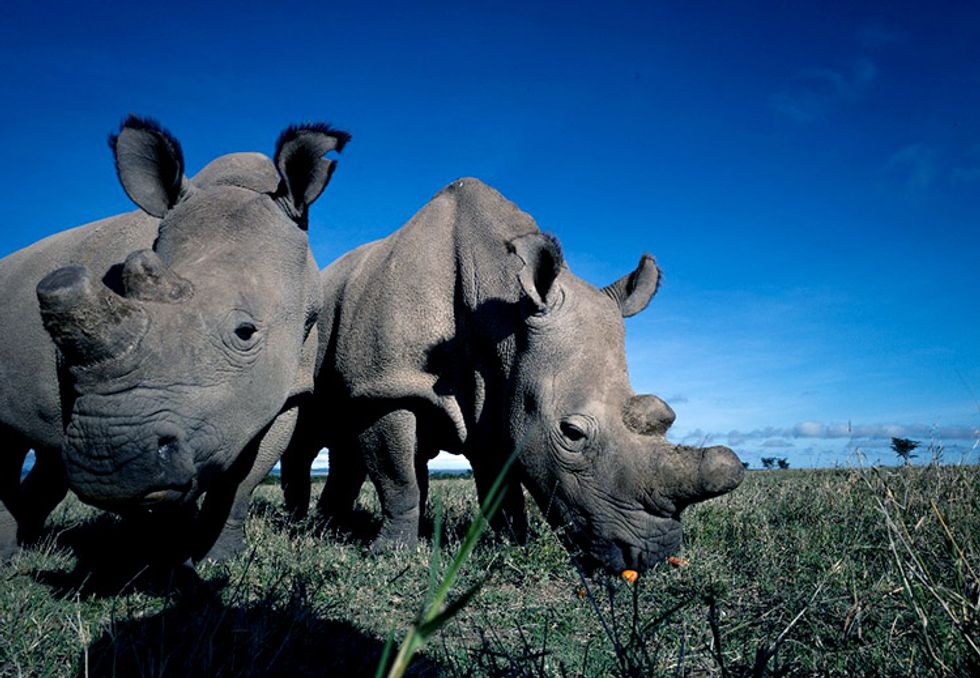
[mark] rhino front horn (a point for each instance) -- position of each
(693, 474)
(721, 471)
(87, 322)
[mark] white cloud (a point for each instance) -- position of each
(808, 429)
(443, 461)
(846, 430)
(778, 443)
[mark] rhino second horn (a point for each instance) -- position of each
(648, 415)
(147, 278)
(88, 322)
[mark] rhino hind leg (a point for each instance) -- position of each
(11, 462)
(389, 447)
(8, 535)
(295, 468)
(40, 492)
(347, 474)
(511, 518)
(422, 459)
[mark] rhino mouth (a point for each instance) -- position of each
(166, 495)
(621, 551)
(154, 497)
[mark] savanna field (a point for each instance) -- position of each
(859, 571)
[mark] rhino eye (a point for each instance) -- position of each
(572, 432)
(575, 432)
(245, 331)
(241, 332)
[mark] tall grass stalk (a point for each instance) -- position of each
(436, 612)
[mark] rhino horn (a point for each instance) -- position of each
(648, 415)
(695, 474)
(147, 278)
(88, 322)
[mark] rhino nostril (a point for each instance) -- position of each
(167, 447)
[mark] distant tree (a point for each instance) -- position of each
(903, 448)
(768, 462)
(782, 463)
(745, 464)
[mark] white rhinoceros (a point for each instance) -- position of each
(464, 331)
(157, 355)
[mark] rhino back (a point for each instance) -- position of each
(400, 313)
(29, 395)
(388, 302)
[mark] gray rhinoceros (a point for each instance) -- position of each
(157, 355)
(464, 331)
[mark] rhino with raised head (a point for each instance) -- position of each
(157, 355)
(464, 331)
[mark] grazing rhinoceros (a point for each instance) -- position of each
(156, 355)
(464, 331)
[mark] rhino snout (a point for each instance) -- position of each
(161, 470)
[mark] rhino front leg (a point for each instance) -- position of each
(389, 446)
(42, 490)
(221, 530)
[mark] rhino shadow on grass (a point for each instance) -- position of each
(103, 570)
(201, 636)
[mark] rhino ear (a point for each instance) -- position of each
(303, 169)
(542, 261)
(150, 164)
(634, 291)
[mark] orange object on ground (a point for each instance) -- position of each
(630, 575)
(674, 561)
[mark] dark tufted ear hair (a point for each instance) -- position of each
(543, 261)
(150, 164)
(302, 167)
(635, 290)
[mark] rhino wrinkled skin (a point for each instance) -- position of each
(464, 331)
(154, 356)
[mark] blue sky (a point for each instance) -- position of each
(808, 175)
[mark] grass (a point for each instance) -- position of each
(828, 572)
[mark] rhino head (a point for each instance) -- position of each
(592, 452)
(180, 356)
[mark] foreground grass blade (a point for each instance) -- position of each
(436, 613)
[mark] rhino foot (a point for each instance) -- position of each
(8, 549)
(8, 536)
(382, 545)
(229, 544)
(398, 534)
